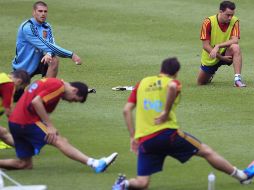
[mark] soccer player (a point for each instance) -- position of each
(156, 134)
(36, 50)
(32, 128)
(18, 79)
(220, 34)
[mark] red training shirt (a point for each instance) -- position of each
(49, 89)
(6, 93)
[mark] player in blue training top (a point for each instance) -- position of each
(36, 51)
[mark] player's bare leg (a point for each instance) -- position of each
(25, 163)
(203, 77)
(70, 151)
(235, 51)
(6, 137)
(53, 68)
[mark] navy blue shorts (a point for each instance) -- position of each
(212, 69)
(175, 143)
(41, 70)
(28, 139)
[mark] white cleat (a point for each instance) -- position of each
(105, 162)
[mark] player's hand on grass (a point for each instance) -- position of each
(76, 59)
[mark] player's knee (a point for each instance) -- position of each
(205, 151)
(64, 140)
(61, 141)
(199, 83)
(3, 131)
(54, 64)
(24, 164)
(235, 48)
(143, 183)
(202, 81)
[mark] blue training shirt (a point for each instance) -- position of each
(34, 40)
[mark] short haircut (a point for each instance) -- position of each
(23, 75)
(82, 90)
(41, 3)
(170, 66)
(227, 4)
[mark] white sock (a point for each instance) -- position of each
(237, 77)
(92, 162)
(126, 182)
(238, 174)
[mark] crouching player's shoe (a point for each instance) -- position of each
(119, 183)
(249, 171)
(239, 83)
(4, 146)
(105, 162)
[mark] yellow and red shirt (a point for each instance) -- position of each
(150, 98)
(50, 90)
(7, 89)
(205, 33)
(217, 34)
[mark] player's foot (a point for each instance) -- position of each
(105, 162)
(249, 171)
(4, 146)
(239, 83)
(91, 90)
(119, 183)
(123, 88)
(210, 79)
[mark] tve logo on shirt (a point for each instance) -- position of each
(155, 105)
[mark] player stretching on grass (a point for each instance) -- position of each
(18, 79)
(31, 126)
(220, 35)
(157, 134)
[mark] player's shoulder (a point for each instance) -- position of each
(177, 84)
(207, 20)
(51, 80)
(26, 24)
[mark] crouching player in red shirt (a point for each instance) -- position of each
(32, 128)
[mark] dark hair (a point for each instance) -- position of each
(82, 90)
(23, 75)
(170, 66)
(227, 4)
(39, 3)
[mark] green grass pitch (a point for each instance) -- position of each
(122, 41)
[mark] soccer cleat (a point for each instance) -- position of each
(249, 171)
(210, 79)
(105, 162)
(4, 146)
(123, 88)
(91, 90)
(119, 183)
(239, 83)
